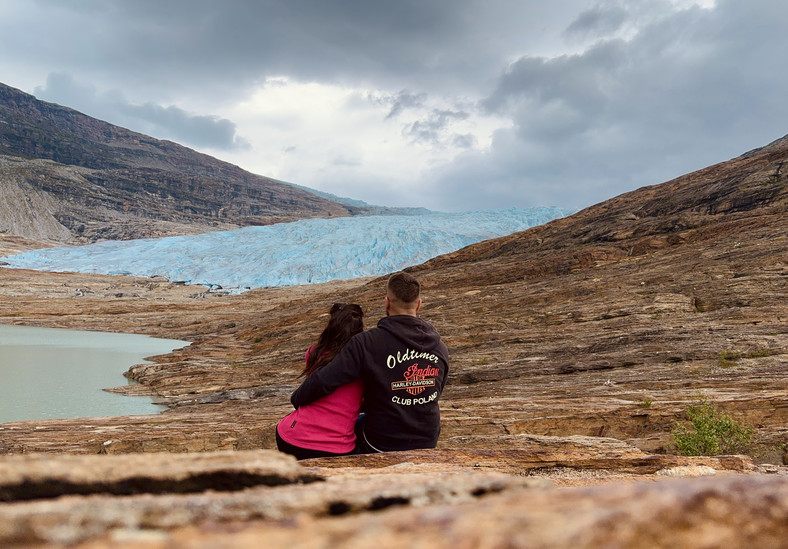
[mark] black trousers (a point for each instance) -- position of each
(362, 445)
(303, 453)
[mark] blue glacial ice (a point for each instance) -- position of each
(286, 254)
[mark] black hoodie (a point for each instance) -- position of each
(403, 364)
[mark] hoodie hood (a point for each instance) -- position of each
(413, 332)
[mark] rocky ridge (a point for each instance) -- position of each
(576, 346)
(84, 180)
(413, 498)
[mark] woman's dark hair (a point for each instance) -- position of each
(345, 321)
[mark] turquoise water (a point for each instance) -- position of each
(50, 373)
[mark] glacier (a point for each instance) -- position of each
(286, 254)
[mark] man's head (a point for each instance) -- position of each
(402, 295)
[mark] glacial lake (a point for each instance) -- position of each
(48, 373)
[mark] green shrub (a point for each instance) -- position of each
(710, 433)
(759, 353)
(728, 359)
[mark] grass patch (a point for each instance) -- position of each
(729, 358)
(759, 353)
(710, 432)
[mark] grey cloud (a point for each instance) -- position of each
(577, 80)
(686, 92)
(346, 161)
(163, 122)
(431, 129)
(191, 42)
(598, 21)
(404, 100)
(199, 130)
(66, 89)
(225, 47)
(464, 141)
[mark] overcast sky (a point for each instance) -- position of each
(448, 104)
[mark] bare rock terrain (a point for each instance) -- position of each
(575, 346)
(416, 499)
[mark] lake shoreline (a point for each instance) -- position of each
(54, 373)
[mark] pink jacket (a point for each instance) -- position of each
(326, 424)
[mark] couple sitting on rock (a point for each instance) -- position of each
(369, 391)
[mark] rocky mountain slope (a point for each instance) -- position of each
(65, 176)
(575, 348)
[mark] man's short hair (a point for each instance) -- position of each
(404, 288)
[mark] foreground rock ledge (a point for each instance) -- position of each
(430, 498)
(147, 501)
(741, 511)
(39, 476)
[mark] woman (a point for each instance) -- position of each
(325, 427)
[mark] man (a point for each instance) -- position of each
(403, 364)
